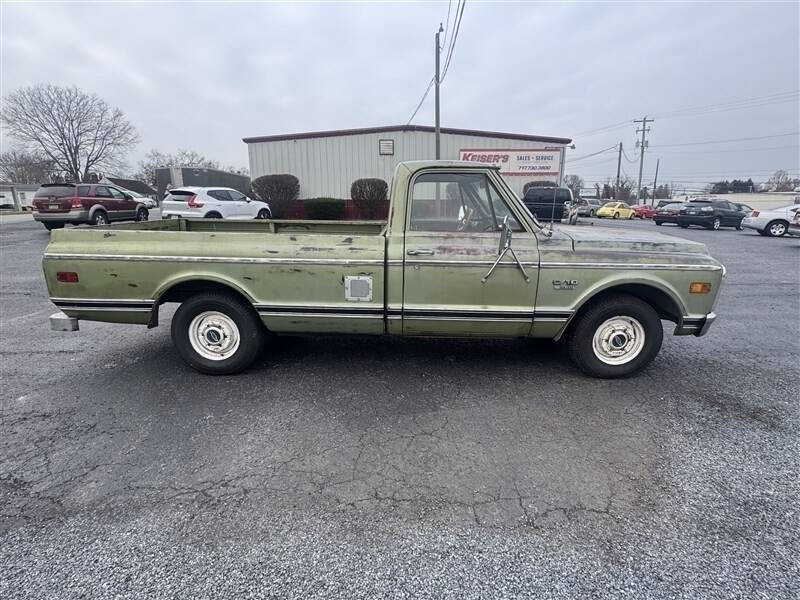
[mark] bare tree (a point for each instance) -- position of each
(21, 166)
(574, 183)
(79, 132)
(780, 181)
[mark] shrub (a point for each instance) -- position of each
(330, 209)
(531, 184)
(280, 191)
(369, 196)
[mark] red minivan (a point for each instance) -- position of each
(56, 204)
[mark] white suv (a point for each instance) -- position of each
(212, 203)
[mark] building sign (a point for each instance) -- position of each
(517, 162)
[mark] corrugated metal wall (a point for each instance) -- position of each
(327, 166)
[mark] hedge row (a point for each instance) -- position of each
(281, 192)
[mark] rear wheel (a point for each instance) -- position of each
(213, 215)
(99, 218)
(142, 214)
(616, 215)
(51, 226)
(217, 333)
(591, 213)
(715, 224)
(616, 337)
(776, 228)
(658, 222)
(684, 225)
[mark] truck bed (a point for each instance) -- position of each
(271, 226)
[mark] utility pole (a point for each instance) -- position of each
(655, 184)
(644, 130)
(619, 164)
(438, 143)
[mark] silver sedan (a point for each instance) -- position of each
(771, 223)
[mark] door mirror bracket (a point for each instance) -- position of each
(504, 247)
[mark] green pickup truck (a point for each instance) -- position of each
(459, 256)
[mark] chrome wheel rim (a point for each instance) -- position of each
(716, 224)
(777, 229)
(143, 215)
(214, 335)
(618, 340)
(100, 220)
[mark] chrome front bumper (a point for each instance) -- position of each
(710, 318)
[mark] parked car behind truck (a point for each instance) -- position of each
(460, 256)
(212, 203)
(711, 213)
(57, 204)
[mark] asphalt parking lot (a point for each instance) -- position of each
(375, 467)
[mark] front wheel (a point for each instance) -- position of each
(658, 222)
(683, 225)
(217, 333)
(715, 224)
(616, 337)
(630, 218)
(591, 213)
(263, 214)
(142, 214)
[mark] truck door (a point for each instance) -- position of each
(452, 235)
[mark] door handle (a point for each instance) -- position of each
(420, 252)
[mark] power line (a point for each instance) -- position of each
(635, 157)
(748, 149)
(425, 95)
(732, 104)
(456, 28)
(577, 158)
(447, 26)
(746, 139)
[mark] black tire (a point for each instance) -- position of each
(776, 228)
(739, 226)
(580, 337)
(249, 328)
(142, 214)
(616, 215)
(715, 224)
(591, 213)
(99, 218)
(212, 215)
(762, 232)
(658, 222)
(263, 214)
(51, 226)
(683, 225)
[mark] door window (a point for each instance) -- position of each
(116, 193)
(220, 195)
(458, 202)
(83, 191)
(101, 191)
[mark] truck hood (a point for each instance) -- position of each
(584, 239)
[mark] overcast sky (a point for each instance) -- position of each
(202, 76)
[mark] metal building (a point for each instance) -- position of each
(172, 177)
(327, 162)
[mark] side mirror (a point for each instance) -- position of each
(505, 236)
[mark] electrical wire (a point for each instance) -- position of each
(746, 139)
(577, 158)
(748, 149)
(456, 29)
(447, 26)
(425, 95)
(754, 102)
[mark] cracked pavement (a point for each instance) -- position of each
(404, 468)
